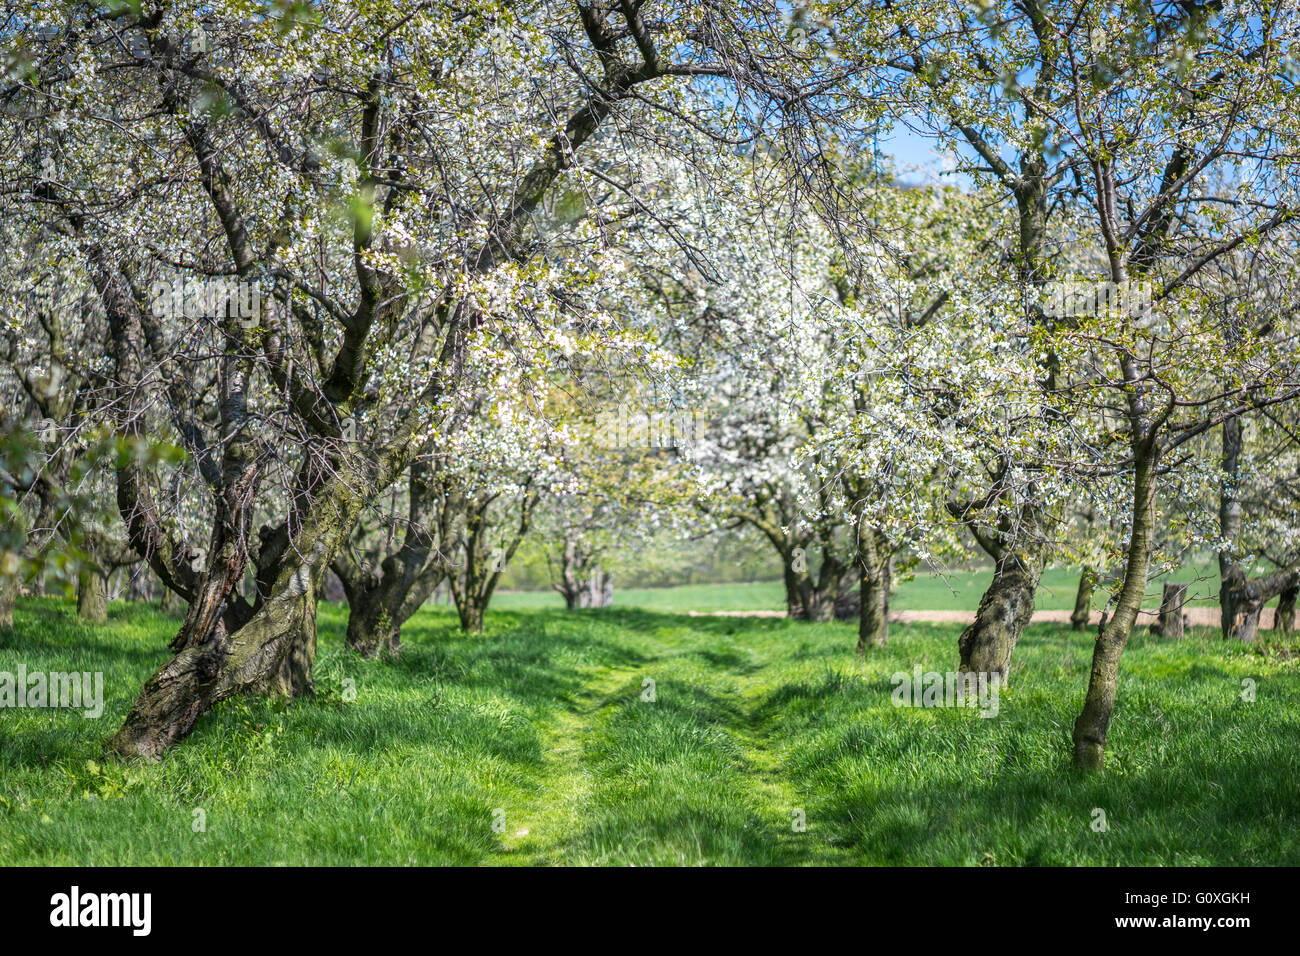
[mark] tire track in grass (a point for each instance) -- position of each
(771, 784)
(537, 832)
(540, 830)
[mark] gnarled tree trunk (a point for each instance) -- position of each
(473, 584)
(986, 645)
(380, 603)
(583, 583)
(1284, 619)
(272, 653)
(1243, 599)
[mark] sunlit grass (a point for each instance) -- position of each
(537, 743)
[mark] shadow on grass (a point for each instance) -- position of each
(1197, 812)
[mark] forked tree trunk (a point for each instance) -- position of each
(372, 629)
(809, 598)
(593, 589)
(1171, 623)
(583, 582)
(1242, 600)
(377, 612)
(380, 602)
(92, 596)
(472, 614)
(1083, 600)
(1091, 726)
(1007, 606)
(273, 653)
(1284, 618)
(473, 584)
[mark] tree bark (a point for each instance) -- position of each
(92, 596)
(873, 622)
(273, 652)
(171, 601)
(874, 563)
(379, 603)
(1005, 610)
(8, 596)
(471, 613)
(583, 582)
(1242, 599)
(473, 584)
(1171, 623)
(1091, 726)
(1083, 600)
(1284, 618)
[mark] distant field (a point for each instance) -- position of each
(957, 591)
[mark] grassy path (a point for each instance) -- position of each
(564, 790)
(585, 738)
(535, 744)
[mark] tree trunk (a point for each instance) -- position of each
(1171, 622)
(272, 653)
(372, 632)
(471, 613)
(873, 622)
(1245, 599)
(1240, 603)
(874, 562)
(987, 644)
(1007, 606)
(1284, 618)
(92, 596)
(793, 597)
(1091, 726)
(594, 589)
(1083, 600)
(1239, 614)
(8, 595)
(583, 582)
(171, 601)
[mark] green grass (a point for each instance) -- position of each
(955, 591)
(542, 719)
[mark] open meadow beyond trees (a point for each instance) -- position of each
(624, 432)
